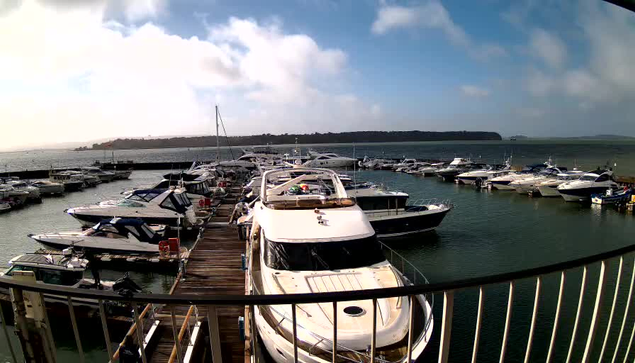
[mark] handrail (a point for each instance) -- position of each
(186, 322)
(320, 297)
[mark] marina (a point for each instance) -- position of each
(217, 262)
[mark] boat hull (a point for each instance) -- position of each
(389, 225)
(89, 220)
(582, 194)
(116, 247)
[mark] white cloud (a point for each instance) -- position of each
(548, 47)
(75, 74)
(474, 91)
(431, 15)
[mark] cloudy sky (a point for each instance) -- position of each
(81, 70)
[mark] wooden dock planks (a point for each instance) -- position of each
(214, 267)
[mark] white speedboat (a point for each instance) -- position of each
(549, 187)
(330, 160)
(590, 183)
(503, 182)
(48, 187)
(4, 206)
(33, 193)
(104, 176)
(430, 170)
(168, 207)
(197, 191)
(116, 235)
(12, 196)
(482, 176)
(309, 237)
(456, 167)
(122, 174)
(530, 184)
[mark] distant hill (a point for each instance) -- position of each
(597, 137)
(315, 138)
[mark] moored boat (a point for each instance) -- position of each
(307, 232)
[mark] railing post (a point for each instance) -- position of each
(373, 341)
(139, 330)
(577, 314)
(334, 331)
(630, 343)
(596, 313)
(446, 326)
(295, 333)
(556, 318)
(78, 341)
(177, 342)
(508, 318)
(411, 315)
(6, 334)
(615, 294)
(626, 309)
(533, 320)
(104, 326)
(214, 334)
(479, 319)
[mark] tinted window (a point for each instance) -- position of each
(58, 277)
(603, 177)
(323, 255)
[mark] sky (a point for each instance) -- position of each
(84, 70)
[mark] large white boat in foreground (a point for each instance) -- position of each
(308, 237)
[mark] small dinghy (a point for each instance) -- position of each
(612, 197)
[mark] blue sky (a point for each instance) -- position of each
(156, 67)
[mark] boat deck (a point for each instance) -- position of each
(214, 267)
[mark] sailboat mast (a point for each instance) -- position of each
(217, 138)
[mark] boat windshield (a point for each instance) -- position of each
(50, 276)
(130, 204)
(144, 196)
(323, 256)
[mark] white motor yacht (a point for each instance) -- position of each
(48, 187)
(330, 160)
(482, 176)
(503, 182)
(33, 192)
(104, 176)
(456, 167)
(112, 236)
(530, 184)
(589, 183)
(12, 196)
(309, 237)
(549, 187)
(168, 207)
(72, 181)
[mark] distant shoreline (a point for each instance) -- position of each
(286, 139)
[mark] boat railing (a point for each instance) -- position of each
(597, 311)
(429, 201)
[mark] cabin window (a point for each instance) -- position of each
(602, 178)
(323, 256)
(58, 277)
(163, 185)
(19, 268)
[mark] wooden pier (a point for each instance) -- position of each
(214, 267)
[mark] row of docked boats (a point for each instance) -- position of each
(16, 193)
(545, 179)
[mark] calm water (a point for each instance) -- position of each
(487, 233)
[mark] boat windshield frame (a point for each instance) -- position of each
(323, 256)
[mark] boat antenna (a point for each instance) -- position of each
(217, 139)
(220, 117)
(355, 173)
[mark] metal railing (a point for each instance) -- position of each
(597, 344)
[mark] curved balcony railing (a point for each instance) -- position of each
(611, 322)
